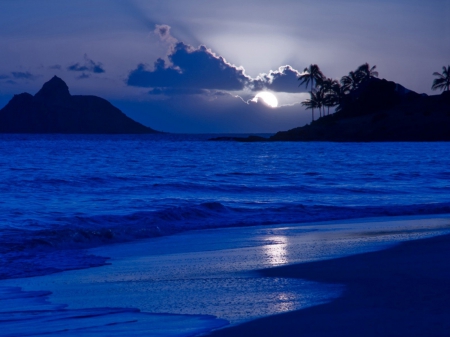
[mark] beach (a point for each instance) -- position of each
(400, 291)
(281, 280)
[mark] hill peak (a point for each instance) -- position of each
(54, 110)
(56, 88)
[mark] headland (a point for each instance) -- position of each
(54, 110)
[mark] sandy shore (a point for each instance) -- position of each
(401, 291)
(282, 273)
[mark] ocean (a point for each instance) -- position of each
(64, 194)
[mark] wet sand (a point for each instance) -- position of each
(400, 291)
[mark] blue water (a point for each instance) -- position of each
(29, 313)
(62, 193)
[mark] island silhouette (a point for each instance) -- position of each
(368, 109)
(54, 110)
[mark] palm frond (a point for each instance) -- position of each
(443, 80)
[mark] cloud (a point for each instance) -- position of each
(3, 77)
(88, 65)
(190, 67)
(83, 76)
(285, 79)
(163, 32)
(199, 68)
(55, 67)
(19, 75)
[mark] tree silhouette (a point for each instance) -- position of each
(443, 80)
(311, 74)
(354, 79)
(350, 82)
(332, 94)
(320, 97)
(364, 72)
(313, 102)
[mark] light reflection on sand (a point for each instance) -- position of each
(276, 252)
(286, 302)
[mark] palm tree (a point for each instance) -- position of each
(329, 87)
(336, 92)
(350, 82)
(311, 74)
(354, 78)
(443, 80)
(309, 105)
(365, 72)
(320, 97)
(312, 103)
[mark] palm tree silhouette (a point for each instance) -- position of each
(350, 82)
(311, 74)
(312, 103)
(354, 78)
(364, 72)
(443, 80)
(320, 97)
(309, 105)
(331, 93)
(335, 92)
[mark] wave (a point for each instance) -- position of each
(30, 313)
(60, 246)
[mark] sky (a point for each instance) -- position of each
(195, 66)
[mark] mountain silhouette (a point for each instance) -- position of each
(54, 110)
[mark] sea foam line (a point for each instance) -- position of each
(61, 245)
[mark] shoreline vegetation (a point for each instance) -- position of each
(400, 291)
(368, 109)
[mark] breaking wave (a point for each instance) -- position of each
(60, 246)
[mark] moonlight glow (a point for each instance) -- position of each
(268, 98)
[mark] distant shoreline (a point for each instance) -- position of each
(378, 112)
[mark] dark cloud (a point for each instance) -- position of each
(19, 75)
(285, 79)
(197, 68)
(83, 76)
(88, 65)
(193, 71)
(3, 77)
(55, 67)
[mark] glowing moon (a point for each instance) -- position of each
(268, 98)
